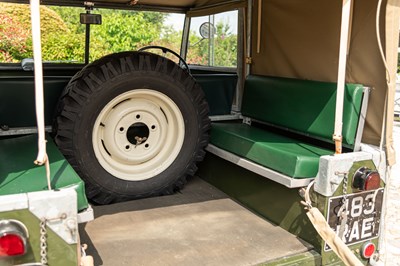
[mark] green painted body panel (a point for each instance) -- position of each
(17, 108)
(307, 107)
(274, 202)
(329, 257)
(59, 252)
(18, 173)
(17, 111)
(280, 205)
(310, 258)
(219, 90)
(283, 154)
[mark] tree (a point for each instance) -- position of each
(121, 30)
(225, 46)
(128, 30)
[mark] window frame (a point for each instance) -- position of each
(240, 44)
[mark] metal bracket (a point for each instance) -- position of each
(88, 5)
(249, 60)
(247, 121)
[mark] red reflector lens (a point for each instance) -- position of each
(372, 181)
(366, 179)
(368, 250)
(11, 245)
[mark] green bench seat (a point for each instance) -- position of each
(305, 108)
(283, 154)
(18, 173)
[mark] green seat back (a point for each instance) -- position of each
(306, 107)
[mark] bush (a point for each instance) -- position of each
(15, 33)
(15, 40)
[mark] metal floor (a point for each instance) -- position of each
(199, 226)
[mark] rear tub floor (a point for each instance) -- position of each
(198, 226)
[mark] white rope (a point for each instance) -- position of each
(384, 238)
(39, 99)
(378, 37)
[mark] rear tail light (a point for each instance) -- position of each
(13, 238)
(367, 250)
(366, 179)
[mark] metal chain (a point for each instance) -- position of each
(342, 213)
(43, 242)
(43, 236)
(345, 180)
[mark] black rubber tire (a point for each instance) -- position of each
(91, 89)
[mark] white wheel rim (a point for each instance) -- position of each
(127, 116)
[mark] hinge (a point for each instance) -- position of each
(249, 60)
(247, 121)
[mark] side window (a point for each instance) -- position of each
(213, 40)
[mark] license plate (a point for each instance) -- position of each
(363, 216)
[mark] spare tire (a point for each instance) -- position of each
(132, 125)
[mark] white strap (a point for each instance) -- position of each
(326, 232)
(39, 99)
(334, 242)
(344, 37)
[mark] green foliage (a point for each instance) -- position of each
(71, 46)
(63, 48)
(120, 31)
(127, 30)
(15, 27)
(198, 50)
(223, 45)
(15, 42)
(15, 37)
(171, 39)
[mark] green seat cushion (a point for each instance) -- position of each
(280, 153)
(304, 106)
(18, 173)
